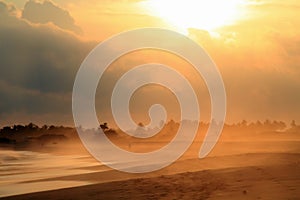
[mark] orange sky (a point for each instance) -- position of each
(255, 43)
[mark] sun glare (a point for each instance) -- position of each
(208, 14)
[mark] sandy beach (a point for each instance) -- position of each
(253, 169)
(149, 100)
(279, 179)
(248, 166)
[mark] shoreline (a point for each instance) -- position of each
(230, 183)
(249, 169)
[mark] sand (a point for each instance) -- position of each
(254, 168)
(239, 177)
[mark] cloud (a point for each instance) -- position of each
(46, 11)
(16, 99)
(38, 64)
(6, 9)
(259, 59)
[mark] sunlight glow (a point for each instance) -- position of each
(208, 14)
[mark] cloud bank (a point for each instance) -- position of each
(38, 64)
(46, 12)
(258, 57)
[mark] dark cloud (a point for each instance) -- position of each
(38, 64)
(6, 9)
(17, 99)
(45, 12)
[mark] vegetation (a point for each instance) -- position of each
(17, 134)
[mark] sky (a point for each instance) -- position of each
(255, 44)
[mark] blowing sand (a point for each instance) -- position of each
(253, 169)
(277, 179)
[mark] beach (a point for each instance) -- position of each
(251, 167)
(280, 179)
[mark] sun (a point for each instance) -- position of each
(207, 15)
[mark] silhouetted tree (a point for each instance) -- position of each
(141, 125)
(293, 124)
(32, 126)
(104, 126)
(244, 123)
(7, 130)
(278, 125)
(45, 127)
